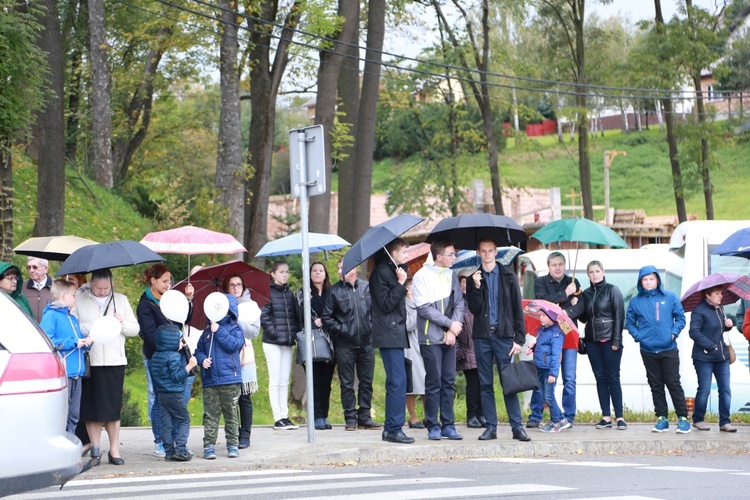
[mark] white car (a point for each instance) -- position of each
(35, 450)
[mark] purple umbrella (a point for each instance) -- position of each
(694, 295)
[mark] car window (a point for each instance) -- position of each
(20, 333)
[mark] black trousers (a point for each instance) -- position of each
(359, 360)
(664, 369)
(473, 401)
(322, 378)
(245, 406)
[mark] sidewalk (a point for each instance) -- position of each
(270, 448)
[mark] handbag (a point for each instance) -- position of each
(87, 364)
(582, 346)
(518, 377)
(321, 346)
(732, 354)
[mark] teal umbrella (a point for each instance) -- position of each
(579, 230)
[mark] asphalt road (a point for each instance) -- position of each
(663, 476)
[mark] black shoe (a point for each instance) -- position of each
(474, 423)
(397, 437)
(489, 433)
(521, 435)
(94, 461)
(85, 450)
(416, 425)
(178, 457)
(244, 443)
(532, 424)
(350, 425)
(482, 421)
(115, 460)
(369, 424)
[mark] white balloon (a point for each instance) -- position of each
(216, 306)
(105, 329)
(174, 305)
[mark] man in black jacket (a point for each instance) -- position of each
(347, 315)
(389, 334)
(560, 289)
(499, 331)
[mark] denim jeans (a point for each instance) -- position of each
(548, 391)
(568, 372)
(175, 422)
(663, 368)
(720, 370)
(395, 387)
(497, 349)
(605, 363)
(362, 360)
(154, 412)
(440, 375)
(74, 403)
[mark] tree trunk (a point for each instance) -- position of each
(705, 166)
(368, 106)
(624, 114)
(265, 79)
(325, 109)
(348, 91)
(584, 162)
(50, 131)
(74, 94)
(101, 83)
(6, 201)
(659, 115)
(230, 179)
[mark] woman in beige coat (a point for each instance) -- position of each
(101, 400)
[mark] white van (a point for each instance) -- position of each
(679, 266)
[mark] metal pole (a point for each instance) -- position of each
(302, 144)
(606, 188)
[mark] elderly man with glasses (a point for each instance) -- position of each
(440, 313)
(38, 286)
(11, 283)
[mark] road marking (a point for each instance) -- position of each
(171, 486)
(307, 488)
(474, 491)
(676, 468)
(509, 460)
(182, 477)
(602, 464)
(628, 497)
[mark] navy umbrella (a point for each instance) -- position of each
(108, 255)
(737, 245)
(466, 231)
(377, 237)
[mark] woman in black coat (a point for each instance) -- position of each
(603, 311)
(280, 323)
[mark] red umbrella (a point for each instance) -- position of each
(209, 279)
(735, 288)
(191, 240)
(533, 308)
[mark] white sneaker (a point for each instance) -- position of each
(159, 450)
(290, 424)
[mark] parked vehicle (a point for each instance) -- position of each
(36, 450)
(684, 261)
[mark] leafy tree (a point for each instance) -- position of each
(734, 73)
(22, 73)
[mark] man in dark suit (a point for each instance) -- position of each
(494, 298)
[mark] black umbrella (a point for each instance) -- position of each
(376, 238)
(466, 231)
(107, 255)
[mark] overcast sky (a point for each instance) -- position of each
(639, 10)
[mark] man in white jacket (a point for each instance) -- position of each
(440, 312)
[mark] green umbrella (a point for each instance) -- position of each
(579, 230)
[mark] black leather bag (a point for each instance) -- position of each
(322, 346)
(518, 377)
(582, 346)
(86, 365)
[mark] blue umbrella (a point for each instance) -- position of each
(108, 255)
(468, 258)
(737, 245)
(377, 237)
(292, 244)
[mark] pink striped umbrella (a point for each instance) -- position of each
(191, 240)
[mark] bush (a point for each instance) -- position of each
(130, 416)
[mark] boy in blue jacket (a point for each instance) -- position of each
(655, 318)
(63, 330)
(547, 354)
(218, 353)
(168, 374)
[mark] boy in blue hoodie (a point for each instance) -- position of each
(547, 354)
(168, 373)
(65, 333)
(218, 353)
(655, 318)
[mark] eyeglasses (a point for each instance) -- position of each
(11, 278)
(234, 285)
(33, 268)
